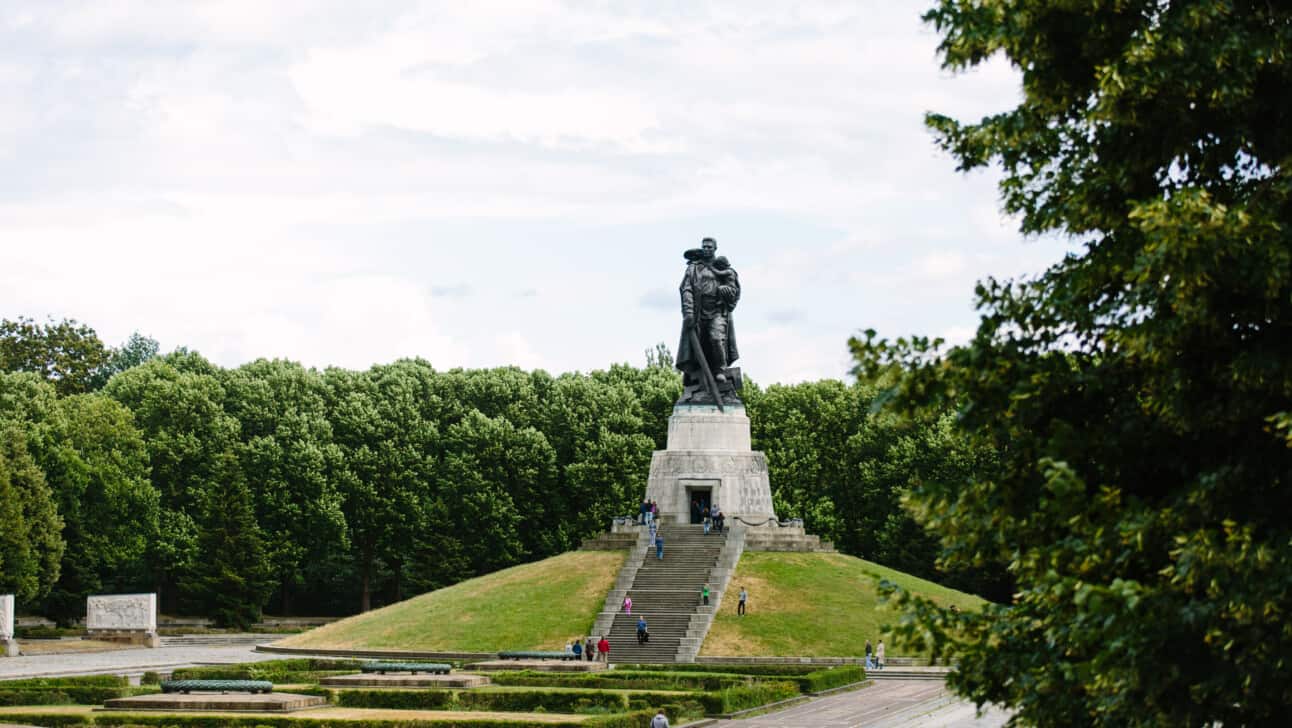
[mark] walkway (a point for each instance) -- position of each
(886, 704)
(126, 661)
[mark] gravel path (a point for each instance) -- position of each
(126, 661)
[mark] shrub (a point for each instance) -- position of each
(831, 678)
(749, 696)
(768, 670)
(150, 678)
(46, 719)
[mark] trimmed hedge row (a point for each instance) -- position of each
(518, 701)
(748, 696)
(84, 681)
(619, 680)
(767, 670)
(833, 677)
(66, 695)
(256, 721)
(276, 671)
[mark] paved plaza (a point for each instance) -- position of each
(884, 704)
(126, 661)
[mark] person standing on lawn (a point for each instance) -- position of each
(740, 606)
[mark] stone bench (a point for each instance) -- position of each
(217, 686)
(433, 668)
(533, 655)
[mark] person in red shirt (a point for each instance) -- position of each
(603, 648)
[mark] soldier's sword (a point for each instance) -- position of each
(710, 383)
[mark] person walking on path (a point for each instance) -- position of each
(628, 604)
(590, 650)
(879, 654)
(704, 595)
(870, 665)
(660, 720)
(659, 546)
(643, 636)
(707, 520)
(603, 649)
(654, 527)
(740, 606)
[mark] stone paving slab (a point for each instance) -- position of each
(886, 704)
(126, 661)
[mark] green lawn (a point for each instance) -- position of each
(812, 604)
(538, 606)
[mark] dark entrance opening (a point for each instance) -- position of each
(700, 500)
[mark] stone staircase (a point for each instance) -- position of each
(667, 593)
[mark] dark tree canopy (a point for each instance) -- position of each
(1137, 391)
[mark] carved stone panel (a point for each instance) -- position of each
(6, 617)
(122, 612)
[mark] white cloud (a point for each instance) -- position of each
(292, 179)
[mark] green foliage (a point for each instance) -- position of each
(65, 694)
(275, 671)
(31, 544)
(233, 579)
(1135, 392)
(744, 697)
(833, 677)
(65, 353)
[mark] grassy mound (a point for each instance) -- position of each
(538, 606)
(812, 604)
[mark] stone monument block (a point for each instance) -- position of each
(709, 459)
(123, 618)
(8, 647)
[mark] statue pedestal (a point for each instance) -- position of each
(709, 459)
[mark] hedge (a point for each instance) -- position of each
(767, 670)
(619, 680)
(46, 719)
(833, 677)
(746, 697)
(102, 681)
(66, 695)
(518, 701)
(257, 721)
(277, 671)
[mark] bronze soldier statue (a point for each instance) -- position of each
(710, 291)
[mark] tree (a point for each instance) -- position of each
(66, 353)
(98, 471)
(137, 350)
(32, 546)
(177, 403)
(286, 451)
(1135, 391)
(233, 579)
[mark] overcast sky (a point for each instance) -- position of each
(483, 184)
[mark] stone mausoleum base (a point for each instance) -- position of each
(368, 680)
(222, 702)
(540, 665)
(709, 458)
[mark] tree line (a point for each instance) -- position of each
(275, 486)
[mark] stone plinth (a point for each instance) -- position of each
(405, 681)
(8, 646)
(710, 450)
(221, 702)
(129, 618)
